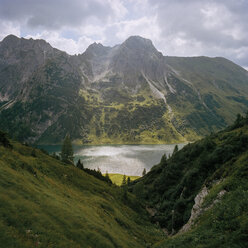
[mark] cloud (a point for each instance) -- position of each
(176, 27)
(65, 44)
(56, 14)
(206, 27)
(7, 28)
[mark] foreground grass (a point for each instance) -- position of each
(46, 203)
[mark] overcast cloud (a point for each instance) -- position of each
(176, 27)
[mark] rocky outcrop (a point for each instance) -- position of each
(198, 209)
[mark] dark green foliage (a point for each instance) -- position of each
(67, 150)
(47, 203)
(239, 122)
(4, 140)
(173, 184)
(44, 151)
(124, 192)
(108, 178)
(144, 172)
(97, 174)
(33, 153)
(54, 155)
(80, 165)
(163, 159)
(138, 190)
(175, 149)
(124, 180)
(225, 225)
(128, 181)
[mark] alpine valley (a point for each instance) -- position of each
(129, 93)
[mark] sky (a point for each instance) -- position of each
(176, 27)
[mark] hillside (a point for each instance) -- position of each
(126, 94)
(45, 203)
(198, 197)
(200, 192)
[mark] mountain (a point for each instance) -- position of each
(129, 93)
(200, 192)
(46, 203)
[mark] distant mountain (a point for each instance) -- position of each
(129, 93)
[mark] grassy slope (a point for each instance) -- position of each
(140, 119)
(225, 224)
(218, 80)
(174, 183)
(117, 178)
(52, 204)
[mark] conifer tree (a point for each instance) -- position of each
(128, 181)
(175, 149)
(163, 159)
(80, 165)
(124, 180)
(144, 172)
(107, 175)
(67, 150)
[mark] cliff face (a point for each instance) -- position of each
(129, 93)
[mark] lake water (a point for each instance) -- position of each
(124, 159)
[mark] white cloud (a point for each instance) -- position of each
(7, 28)
(209, 27)
(65, 44)
(145, 27)
(176, 27)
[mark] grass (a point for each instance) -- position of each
(218, 162)
(46, 203)
(225, 224)
(117, 178)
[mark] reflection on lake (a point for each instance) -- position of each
(123, 159)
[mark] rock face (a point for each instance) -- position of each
(129, 93)
(198, 209)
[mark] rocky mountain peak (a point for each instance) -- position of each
(10, 39)
(139, 43)
(97, 49)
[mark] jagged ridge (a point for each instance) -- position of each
(129, 93)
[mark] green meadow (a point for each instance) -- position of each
(118, 178)
(46, 203)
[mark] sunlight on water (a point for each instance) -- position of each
(124, 159)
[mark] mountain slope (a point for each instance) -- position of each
(46, 203)
(129, 93)
(201, 191)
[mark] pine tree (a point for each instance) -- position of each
(175, 149)
(124, 180)
(80, 165)
(128, 181)
(107, 175)
(144, 172)
(4, 140)
(99, 171)
(163, 159)
(67, 151)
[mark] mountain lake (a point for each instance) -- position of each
(123, 159)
